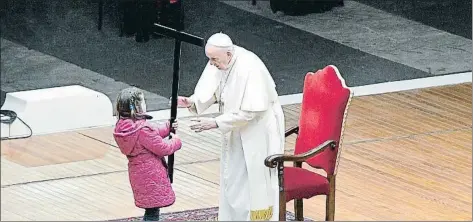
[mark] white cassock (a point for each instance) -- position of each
(252, 124)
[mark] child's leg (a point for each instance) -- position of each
(151, 214)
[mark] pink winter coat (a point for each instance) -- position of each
(144, 146)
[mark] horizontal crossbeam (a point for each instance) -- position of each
(178, 35)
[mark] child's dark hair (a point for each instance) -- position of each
(128, 103)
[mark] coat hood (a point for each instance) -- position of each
(126, 134)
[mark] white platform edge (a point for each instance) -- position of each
(365, 90)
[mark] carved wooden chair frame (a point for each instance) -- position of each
(279, 159)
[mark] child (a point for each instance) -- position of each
(145, 147)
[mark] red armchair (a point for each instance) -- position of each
(319, 137)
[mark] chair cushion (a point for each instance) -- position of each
(301, 183)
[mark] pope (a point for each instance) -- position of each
(252, 123)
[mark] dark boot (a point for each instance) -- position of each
(151, 214)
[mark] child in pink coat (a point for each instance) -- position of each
(145, 146)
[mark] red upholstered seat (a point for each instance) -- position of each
(301, 183)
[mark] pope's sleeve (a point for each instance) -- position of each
(229, 121)
(198, 106)
(204, 93)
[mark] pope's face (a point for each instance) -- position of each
(218, 57)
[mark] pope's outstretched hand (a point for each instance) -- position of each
(203, 124)
(182, 102)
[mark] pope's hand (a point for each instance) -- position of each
(203, 124)
(182, 102)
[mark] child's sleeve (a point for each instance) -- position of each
(163, 128)
(152, 140)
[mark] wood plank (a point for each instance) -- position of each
(102, 197)
(56, 156)
(51, 149)
(406, 113)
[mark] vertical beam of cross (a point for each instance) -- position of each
(179, 37)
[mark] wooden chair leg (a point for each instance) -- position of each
(282, 194)
(330, 201)
(282, 210)
(298, 204)
(299, 209)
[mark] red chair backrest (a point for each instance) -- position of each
(324, 103)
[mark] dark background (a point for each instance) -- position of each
(67, 29)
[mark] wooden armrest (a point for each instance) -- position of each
(292, 130)
(273, 160)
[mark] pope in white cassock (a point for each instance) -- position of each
(252, 124)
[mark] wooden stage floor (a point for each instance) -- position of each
(406, 156)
